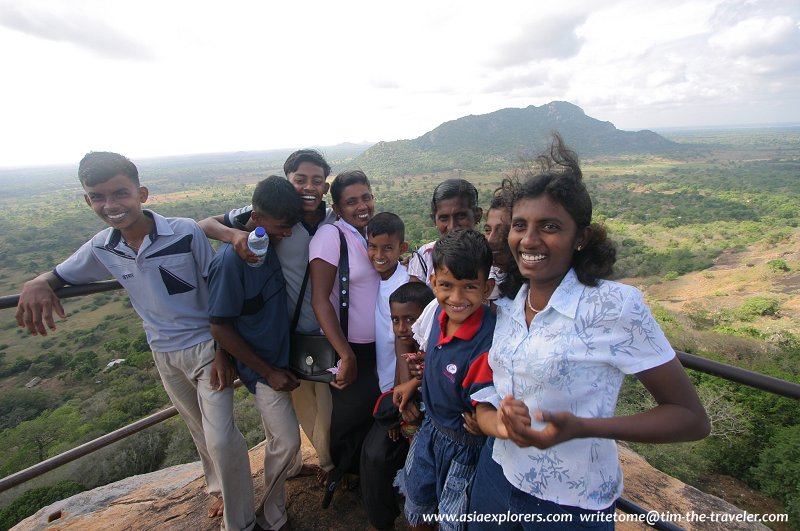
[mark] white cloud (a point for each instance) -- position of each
(77, 27)
(152, 77)
(758, 36)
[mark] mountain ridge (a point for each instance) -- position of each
(497, 140)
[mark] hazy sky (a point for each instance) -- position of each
(156, 77)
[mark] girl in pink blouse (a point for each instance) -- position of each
(355, 387)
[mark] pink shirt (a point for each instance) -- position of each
(364, 280)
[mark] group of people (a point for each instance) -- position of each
(492, 361)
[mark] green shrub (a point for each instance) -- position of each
(671, 275)
(34, 499)
(742, 331)
(778, 265)
(778, 469)
(754, 307)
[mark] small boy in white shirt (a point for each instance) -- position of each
(385, 244)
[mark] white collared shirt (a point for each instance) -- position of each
(572, 358)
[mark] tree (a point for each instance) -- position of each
(34, 499)
(34, 439)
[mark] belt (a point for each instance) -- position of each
(462, 437)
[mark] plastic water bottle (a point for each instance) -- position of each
(258, 243)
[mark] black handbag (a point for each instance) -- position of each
(311, 355)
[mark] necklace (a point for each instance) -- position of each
(530, 306)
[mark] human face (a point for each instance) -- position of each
(454, 213)
(356, 206)
(459, 298)
(498, 221)
(543, 239)
(118, 202)
(309, 181)
(384, 252)
(277, 229)
(404, 314)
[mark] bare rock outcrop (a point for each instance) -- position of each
(174, 499)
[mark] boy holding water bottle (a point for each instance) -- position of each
(247, 311)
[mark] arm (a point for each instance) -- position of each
(401, 372)
(323, 276)
(489, 422)
(214, 228)
(402, 398)
(229, 339)
(37, 302)
(679, 416)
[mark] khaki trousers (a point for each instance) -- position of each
(280, 452)
(186, 375)
(312, 403)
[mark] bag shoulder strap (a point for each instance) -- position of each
(344, 282)
(344, 287)
(299, 305)
(422, 264)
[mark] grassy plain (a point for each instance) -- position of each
(710, 236)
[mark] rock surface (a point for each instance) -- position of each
(174, 499)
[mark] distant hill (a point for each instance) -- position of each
(497, 140)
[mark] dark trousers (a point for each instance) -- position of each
(498, 496)
(381, 458)
(351, 417)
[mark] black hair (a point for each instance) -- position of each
(345, 179)
(503, 196)
(387, 223)
(277, 198)
(465, 252)
(100, 166)
(415, 292)
(502, 199)
(306, 155)
(561, 179)
(452, 188)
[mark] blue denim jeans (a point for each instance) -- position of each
(501, 500)
(437, 477)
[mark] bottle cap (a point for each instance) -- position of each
(260, 232)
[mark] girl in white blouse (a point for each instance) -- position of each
(564, 340)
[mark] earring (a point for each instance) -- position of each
(579, 248)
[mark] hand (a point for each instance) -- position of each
(348, 371)
(403, 393)
(35, 308)
(223, 373)
(514, 415)
(411, 413)
(282, 380)
(471, 423)
(239, 243)
(416, 363)
(394, 434)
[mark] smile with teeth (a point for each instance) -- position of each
(532, 258)
(365, 215)
(115, 217)
(381, 262)
(309, 198)
(458, 307)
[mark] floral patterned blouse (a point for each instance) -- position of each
(572, 358)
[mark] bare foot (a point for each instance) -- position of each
(217, 508)
(322, 476)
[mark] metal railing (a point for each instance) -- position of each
(689, 361)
